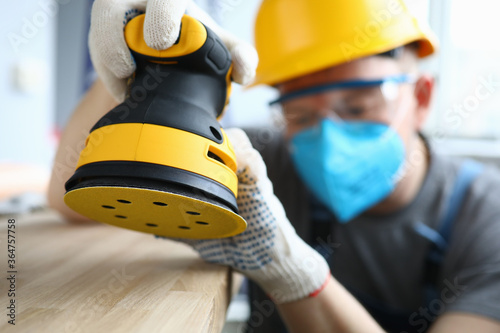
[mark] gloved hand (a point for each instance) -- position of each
(269, 251)
(112, 59)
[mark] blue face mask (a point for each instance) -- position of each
(349, 166)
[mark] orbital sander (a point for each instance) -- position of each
(160, 162)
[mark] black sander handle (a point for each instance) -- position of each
(186, 86)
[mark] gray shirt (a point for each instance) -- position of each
(383, 256)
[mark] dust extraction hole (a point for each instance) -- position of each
(184, 227)
(159, 203)
(216, 133)
(202, 223)
(124, 201)
(215, 157)
(107, 207)
(120, 216)
(151, 225)
(193, 213)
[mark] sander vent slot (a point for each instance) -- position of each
(151, 225)
(124, 201)
(193, 213)
(216, 133)
(120, 216)
(108, 207)
(159, 203)
(216, 153)
(184, 227)
(214, 156)
(202, 223)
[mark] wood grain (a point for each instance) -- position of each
(99, 278)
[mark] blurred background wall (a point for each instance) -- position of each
(28, 49)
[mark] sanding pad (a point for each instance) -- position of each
(157, 212)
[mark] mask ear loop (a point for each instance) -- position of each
(333, 116)
(391, 91)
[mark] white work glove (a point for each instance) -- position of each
(112, 59)
(269, 251)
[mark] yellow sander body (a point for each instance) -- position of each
(160, 162)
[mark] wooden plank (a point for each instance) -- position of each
(99, 278)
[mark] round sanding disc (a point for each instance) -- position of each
(157, 212)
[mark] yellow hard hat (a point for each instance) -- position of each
(298, 37)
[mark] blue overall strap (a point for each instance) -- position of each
(440, 238)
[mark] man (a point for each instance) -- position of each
(411, 234)
(357, 178)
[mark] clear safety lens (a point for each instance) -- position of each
(375, 104)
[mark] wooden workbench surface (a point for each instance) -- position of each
(99, 278)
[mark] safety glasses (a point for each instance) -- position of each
(344, 85)
(366, 100)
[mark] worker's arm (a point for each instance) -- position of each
(333, 310)
(458, 322)
(93, 106)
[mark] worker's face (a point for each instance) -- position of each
(404, 107)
